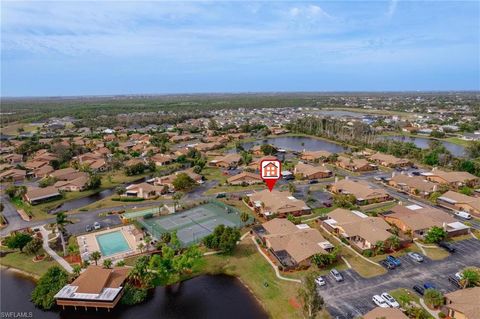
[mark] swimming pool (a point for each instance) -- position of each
(112, 243)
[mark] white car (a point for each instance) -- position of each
(379, 301)
(459, 276)
(463, 214)
(390, 300)
(415, 256)
(97, 225)
(320, 281)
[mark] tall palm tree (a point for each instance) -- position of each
(95, 256)
(60, 223)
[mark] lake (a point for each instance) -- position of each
(423, 142)
(294, 143)
(207, 296)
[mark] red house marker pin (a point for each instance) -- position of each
(270, 172)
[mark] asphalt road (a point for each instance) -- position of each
(353, 296)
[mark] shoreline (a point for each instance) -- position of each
(31, 276)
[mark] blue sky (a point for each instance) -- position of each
(94, 48)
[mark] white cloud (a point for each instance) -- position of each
(392, 7)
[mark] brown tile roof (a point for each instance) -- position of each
(247, 176)
(416, 182)
(459, 198)
(228, 159)
(279, 202)
(307, 170)
(387, 313)
(315, 155)
(420, 217)
(95, 279)
(466, 301)
(359, 189)
(388, 159)
(453, 177)
(40, 193)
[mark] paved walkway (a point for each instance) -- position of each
(430, 311)
(52, 253)
(277, 272)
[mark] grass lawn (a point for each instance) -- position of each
(458, 141)
(25, 262)
(254, 271)
(12, 129)
(436, 253)
(404, 296)
(234, 188)
(321, 211)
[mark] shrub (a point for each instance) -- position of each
(368, 253)
(133, 295)
(48, 286)
(148, 216)
(127, 199)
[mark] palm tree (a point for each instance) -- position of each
(76, 270)
(107, 263)
(95, 256)
(244, 217)
(470, 277)
(379, 247)
(60, 222)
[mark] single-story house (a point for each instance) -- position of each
(454, 180)
(38, 195)
(13, 174)
(229, 160)
(463, 303)
(143, 190)
(312, 172)
(13, 158)
(315, 156)
(362, 191)
(385, 313)
(389, 160)
(363, 232)
(75, 185)
(245, 178)
(458, 201)
(162, 159)
(415, 185)
(292, 245)
(417, 220)
(355, 164)
(96, 287)
(277, 204)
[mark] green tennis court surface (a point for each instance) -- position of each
(194, 224)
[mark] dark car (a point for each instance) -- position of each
(416, 173)
(447, 246)
(419, 290)
(454, 281)
(394, 260)
(387, 264)
(313, 181)
(327, 204)
(429, 285)
(88, 228)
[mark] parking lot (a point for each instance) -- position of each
(353, 296)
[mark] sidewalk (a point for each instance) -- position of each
(52, 253)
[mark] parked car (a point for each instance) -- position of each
(455, 281)
(387, 264)
(97, 225)
(88, 228)
(459, 275)
(320, 281)
(336, 275)
(416, 173)
(415, 256)
(379, 301)
(419, 289)
(221, 195)
(463, 214)
(447, 246)
(429, 285)
(394, 260)
(313, 181)
(390, 300)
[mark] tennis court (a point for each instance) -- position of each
(194, 224)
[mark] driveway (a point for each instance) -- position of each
(353, 296)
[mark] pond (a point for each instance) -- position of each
(207, 296)
(299, 143)
(87, 200)
(423, 142)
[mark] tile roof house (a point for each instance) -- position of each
(458, 201)
(162, 159)
(143, 190)
(96, 287)
(415, 185)
(37, 195)
(463, 303)
(292, 245)
(168, 180)
(389, 160)
(362, 231)
(277, 204)
(312, 172)
(13, 158)
(385, 313)
(75, 185)
(245, 178)
(255, 164)
(13, 175)
(454, 180)
(418, 220)
(229, 160)
(362, 191)
(315, 155)
(43, 171)
(355, 164)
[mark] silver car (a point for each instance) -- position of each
(336, 275)
(415, 256)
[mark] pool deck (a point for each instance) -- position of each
(88, 243)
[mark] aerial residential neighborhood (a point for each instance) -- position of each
(238, 159)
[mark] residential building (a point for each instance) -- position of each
(168, 180)
(389, 160)
(385, 313)
(363, 232)
(162, 159)
(96, 287)
(362, 191)
(292, 245)
(315, 156)
(458, 201)
(463, 303)
(414, 185)
(453, 180)
(229, 160)
(312, 172)
(416, 221)
(355, 164)
(37, 195)
(13, 158)
(245, 178)
(13, 174)
(75, 185)
(277, 204)
(143, 190)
